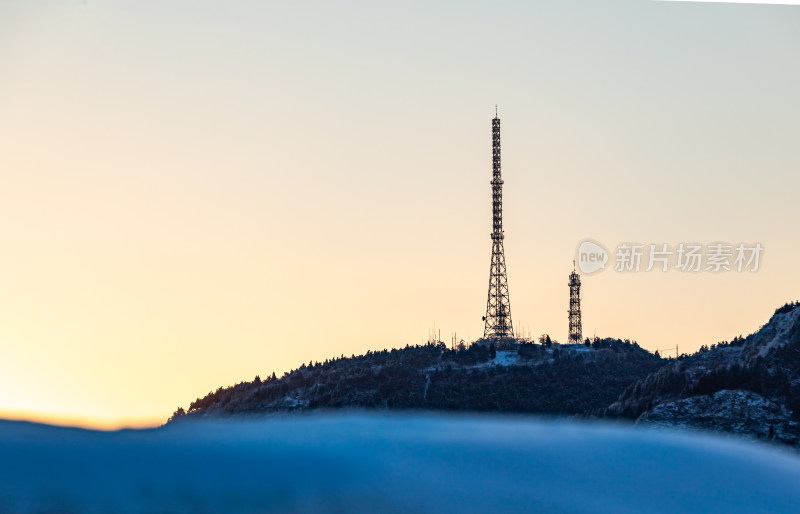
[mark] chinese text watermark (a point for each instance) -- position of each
(684, 257)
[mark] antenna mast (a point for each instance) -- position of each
(498, 305)
(575, 329)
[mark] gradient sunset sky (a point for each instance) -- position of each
(193, 193)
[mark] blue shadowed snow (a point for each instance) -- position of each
(390, 463)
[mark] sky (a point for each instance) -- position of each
(196, 193)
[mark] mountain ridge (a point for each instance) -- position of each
(749, 386)
(520, 378)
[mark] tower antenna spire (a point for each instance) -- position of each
(498, 323)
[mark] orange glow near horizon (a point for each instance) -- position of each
(79, 421)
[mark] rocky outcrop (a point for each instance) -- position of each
(748, 386)
(735, 411)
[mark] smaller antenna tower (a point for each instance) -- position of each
(575, 329)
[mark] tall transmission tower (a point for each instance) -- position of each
(575, 329)
(498, 305)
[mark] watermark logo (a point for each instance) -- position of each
(591, 257)
(685, 257)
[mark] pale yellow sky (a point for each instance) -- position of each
(194, 193)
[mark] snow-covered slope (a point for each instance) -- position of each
(372, 463)
(749, 386)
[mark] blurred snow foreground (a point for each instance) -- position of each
(390, 463)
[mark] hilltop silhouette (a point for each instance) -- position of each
(749, 386)
(522, 378)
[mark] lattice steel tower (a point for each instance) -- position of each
(575, 329)
(498, 306)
